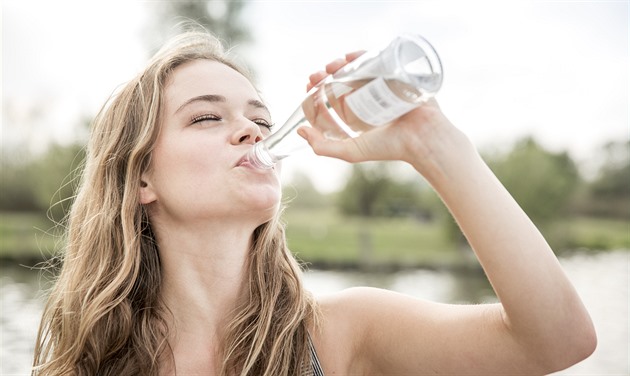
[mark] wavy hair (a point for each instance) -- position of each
(104, 315)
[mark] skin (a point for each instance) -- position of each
(204, 206)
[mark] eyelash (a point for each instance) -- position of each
(200, 118)
(263, 123)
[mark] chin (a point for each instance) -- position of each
(268, 204)
(262, 198)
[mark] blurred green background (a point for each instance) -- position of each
(376, 219)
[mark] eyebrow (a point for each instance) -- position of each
(258, 104)
(220, 98)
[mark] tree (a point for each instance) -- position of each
(45, 184)
(55, 179)
(362, 190)
(373, 190)
(542, 182)
(609, 194)
(16, 187)
(221, 17)
(302, 193)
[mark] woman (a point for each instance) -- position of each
(176, 261)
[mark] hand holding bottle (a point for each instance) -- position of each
(372, 91)
(411, 137)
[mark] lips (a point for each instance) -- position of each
(250, 160)
(242, 161)
(245, 162)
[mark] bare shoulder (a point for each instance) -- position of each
(340, 328)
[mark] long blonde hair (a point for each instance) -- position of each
(104, 315)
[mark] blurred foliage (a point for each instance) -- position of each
(374, 191)
(220, 17)
(400, 213)
(15, 185)
(45, 184)
(544, 183)
(609, 194)
(364, 187)
(57, 177)
(324, 235)
(301, 193)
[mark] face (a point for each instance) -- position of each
(211, 117)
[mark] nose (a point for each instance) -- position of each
(247, 132)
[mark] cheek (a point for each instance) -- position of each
(187, 164)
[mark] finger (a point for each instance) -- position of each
(315, 78)
(334, 66)
(353, 55)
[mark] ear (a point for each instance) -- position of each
(147, 193)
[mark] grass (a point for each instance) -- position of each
(593, 233)
(27, 236)
(323, 237)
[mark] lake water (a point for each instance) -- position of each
(601, 280)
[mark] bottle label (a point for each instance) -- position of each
(376, 104)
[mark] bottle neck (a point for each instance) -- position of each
(260, 157)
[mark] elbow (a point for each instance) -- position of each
(584, 338)
(586, 343)
(580, 349)
(579, 342)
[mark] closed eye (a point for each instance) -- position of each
(205, 117)
(263, 123)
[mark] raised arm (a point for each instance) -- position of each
(540, 325)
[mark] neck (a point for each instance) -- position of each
(202, 277)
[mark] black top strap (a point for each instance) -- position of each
(316, 367)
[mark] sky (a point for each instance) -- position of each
(555, 70)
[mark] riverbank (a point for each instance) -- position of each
(600, 278)
(323, 239)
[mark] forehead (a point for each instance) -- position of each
(202, 77)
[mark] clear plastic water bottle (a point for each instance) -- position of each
(371, 91)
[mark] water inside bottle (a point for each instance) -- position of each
(333, 106)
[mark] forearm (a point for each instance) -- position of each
(540, 304)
